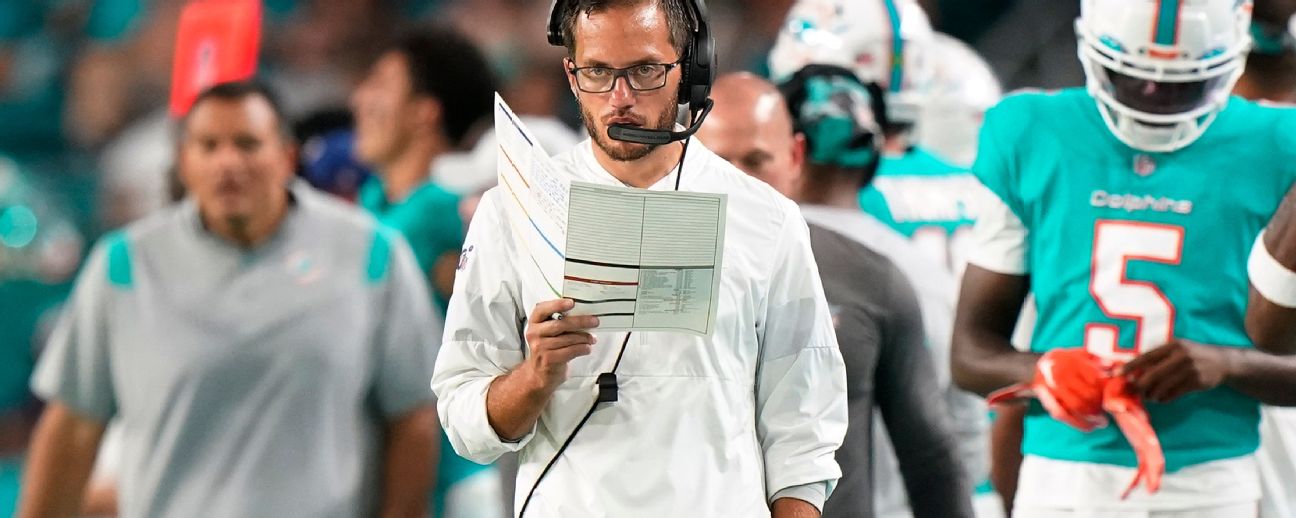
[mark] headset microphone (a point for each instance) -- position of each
(658, 137)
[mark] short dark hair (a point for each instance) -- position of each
(678, 19)
(444, 64)
(239, 90)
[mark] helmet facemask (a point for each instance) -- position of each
(1156, 99)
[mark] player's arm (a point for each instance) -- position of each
(983, 358)
(406, 345)
(100, 497)
(995, 285)
(409, 461)
(1170, 371)
(1006, 434)
(1268, 378)
(443, 274)
(62, 455)
(1271, 308)
(917, 419)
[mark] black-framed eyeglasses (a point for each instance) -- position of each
(641, 78)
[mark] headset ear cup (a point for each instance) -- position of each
(554, 31)
(685, 94)
(697, 70)
(703, 65)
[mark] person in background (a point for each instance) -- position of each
(266, 348)
(1270, 75)
(418, 102)
(916, 192)
(886, 316)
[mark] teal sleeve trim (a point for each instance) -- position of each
(379, 255)
(119, 261)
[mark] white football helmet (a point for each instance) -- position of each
(882, 41)
(1161, 70)
(963, 87)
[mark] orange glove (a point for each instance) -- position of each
(1069, 383)
(1133, 421)
(1076, 387)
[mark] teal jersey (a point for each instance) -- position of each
(10, 485)
(1126, 250)
(926, 199)
(428, 218)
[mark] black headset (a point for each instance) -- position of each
(697, 74)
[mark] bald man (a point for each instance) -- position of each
(879, 320)
(750, 127)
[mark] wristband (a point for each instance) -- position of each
(1269, 277)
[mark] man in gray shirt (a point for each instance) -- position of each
(266, 350)
(878, 315)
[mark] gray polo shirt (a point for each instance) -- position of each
(880, 332)
(247, 382)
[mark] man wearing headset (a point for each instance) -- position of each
(744, 422)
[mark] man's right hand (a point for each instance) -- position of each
(515, 400)
(555, 343)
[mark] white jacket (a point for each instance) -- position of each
(704, 427)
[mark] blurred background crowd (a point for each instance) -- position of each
(86, 140)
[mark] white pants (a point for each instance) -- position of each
(1048, 488)
(1250, 510)
(1277, 461)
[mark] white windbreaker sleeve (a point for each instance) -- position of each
(801, 383)
(483, 335)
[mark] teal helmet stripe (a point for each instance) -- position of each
(1167, 23)
(897, 47)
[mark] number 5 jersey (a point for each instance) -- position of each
(1127, 250)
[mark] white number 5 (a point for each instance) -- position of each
(1116, 243)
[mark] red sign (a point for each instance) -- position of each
(217, 41)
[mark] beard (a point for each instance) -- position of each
(626, 151)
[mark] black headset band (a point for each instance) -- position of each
(697, 12)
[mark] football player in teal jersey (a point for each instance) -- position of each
(890, 42)
(1129, 208)
(417, 103)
